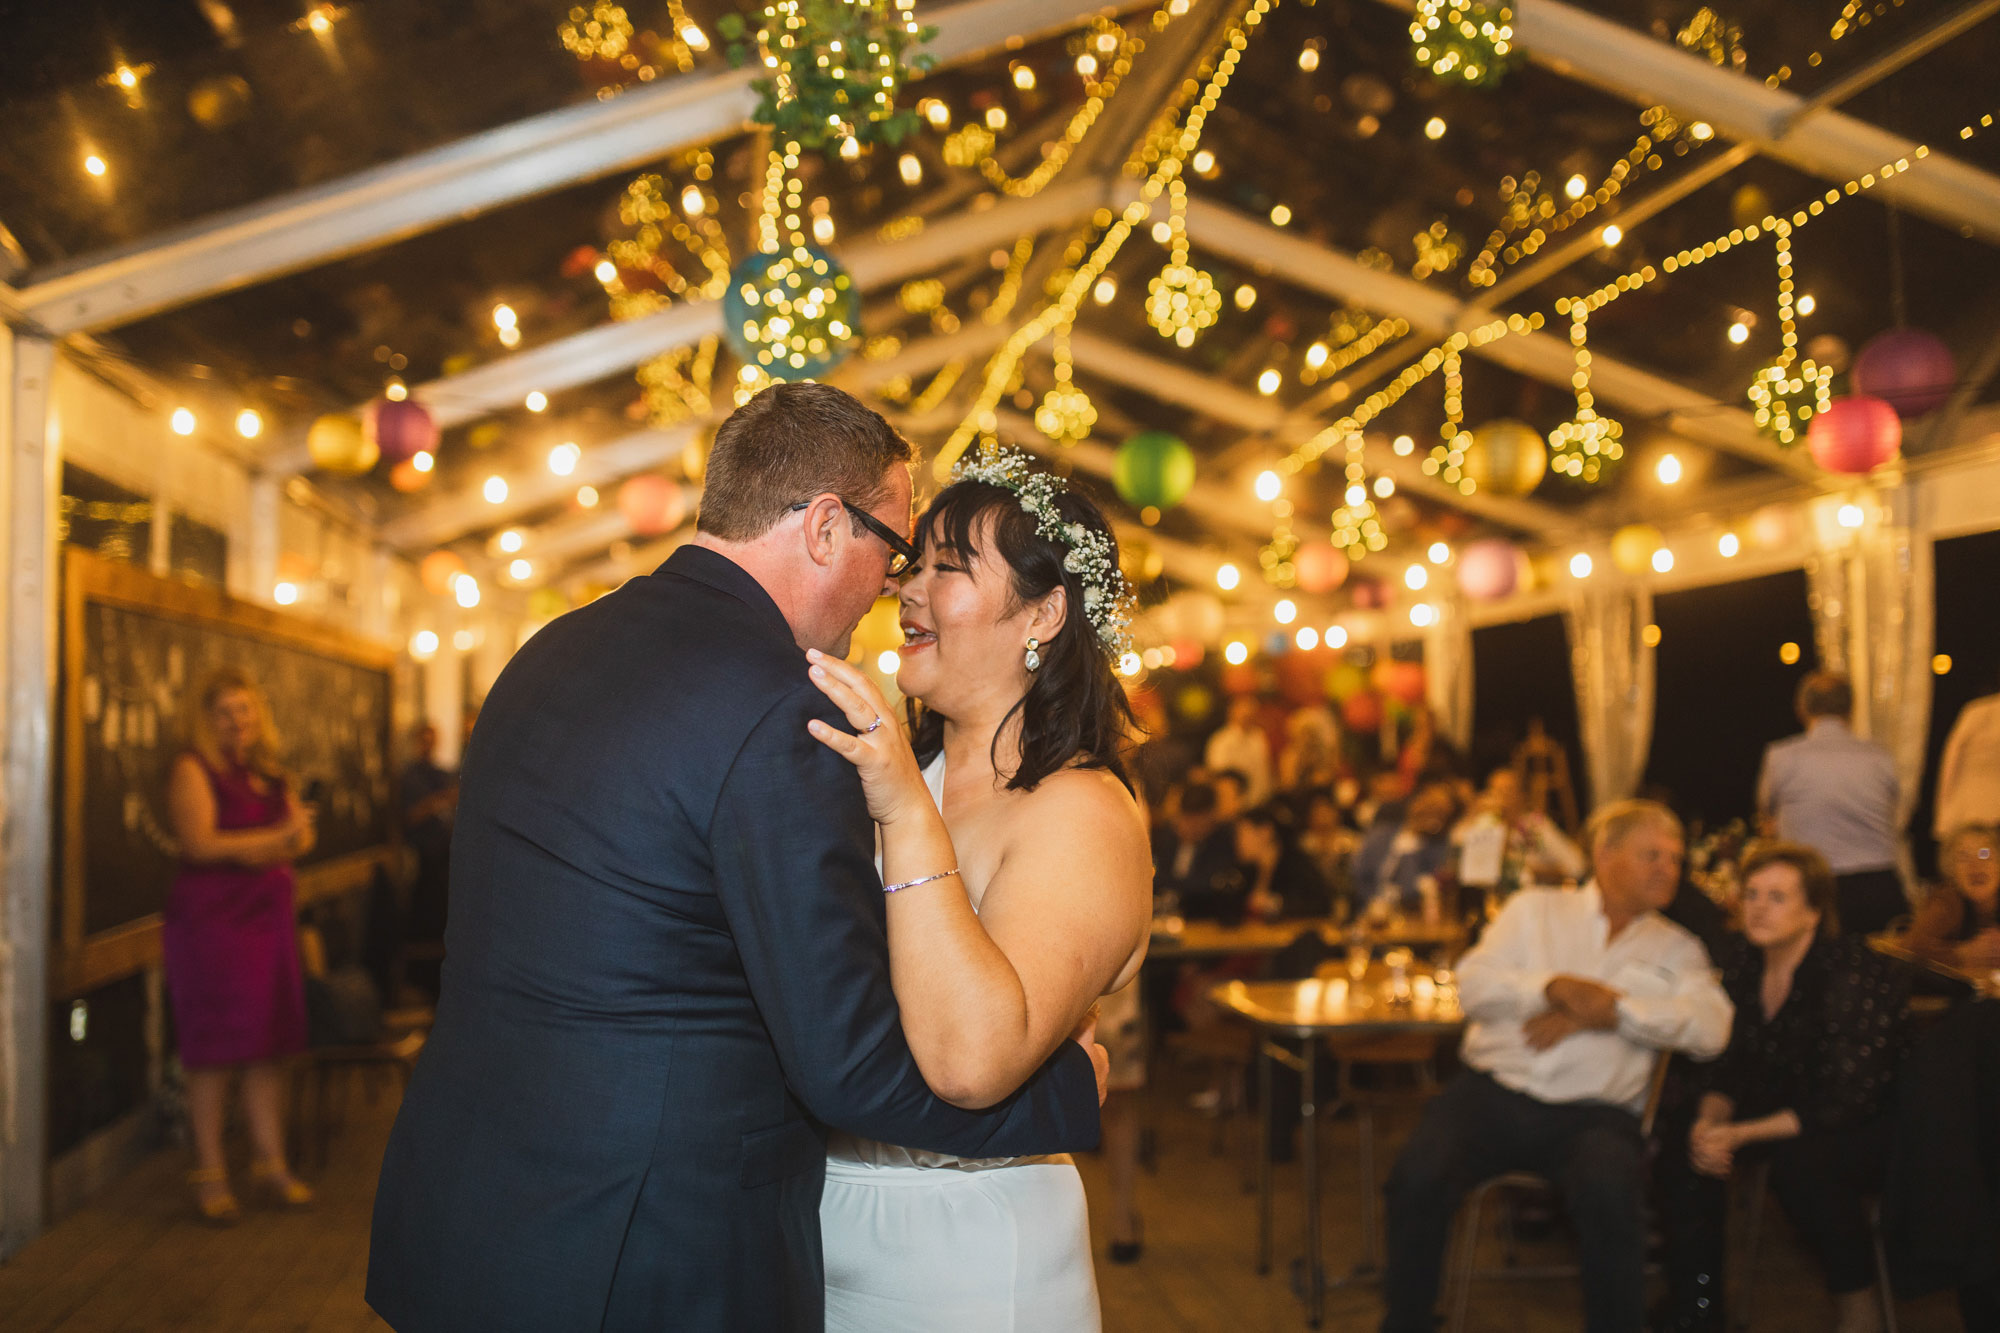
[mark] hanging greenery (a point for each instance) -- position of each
(832, 68)
(1464, 40)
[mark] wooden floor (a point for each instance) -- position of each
(137, 1261)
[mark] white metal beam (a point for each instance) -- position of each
(1434, 313)
(29, 484)
(450, 516)
(1629, 64)
(1224, 402)
(614, 347)
(459, 180)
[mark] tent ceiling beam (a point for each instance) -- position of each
(1715, 167)
(614, 347)
(448, 517)
(1433, 312)
(384, 204)
(1628, 64)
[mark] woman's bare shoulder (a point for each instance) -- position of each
(1081, 797)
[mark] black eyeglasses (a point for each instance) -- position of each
(902, 554)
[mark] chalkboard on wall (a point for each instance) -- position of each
(137, 650)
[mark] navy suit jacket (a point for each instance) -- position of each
(666, 975)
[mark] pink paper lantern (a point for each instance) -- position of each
(1910, 369)
(1319, 567)
(1370, 594)
(651, 504)
(1489, 570)
(399, 429)
(1855, 434)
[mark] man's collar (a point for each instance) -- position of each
(1830, 723)
(704, 564)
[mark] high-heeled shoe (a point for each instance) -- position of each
(281, 1187)
(216, 1209)
(1128, 1251)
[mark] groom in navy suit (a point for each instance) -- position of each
(666, 968)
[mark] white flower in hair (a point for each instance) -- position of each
(1107, 598)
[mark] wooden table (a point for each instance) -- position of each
(1208, 939)
(1329, 1007)
(1897, 946)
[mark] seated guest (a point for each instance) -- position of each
(1531, 849)
(1232, 793)
(1242, 745)
(1569, 999)
(1956, 924)
(1281, 879)
(1194, 857)
(1323, 838)
(1836, 793)
(1399, 853)
(1807, 1083)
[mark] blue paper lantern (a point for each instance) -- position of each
(793, 313)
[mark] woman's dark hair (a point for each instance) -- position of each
(1075, 712)
(1278, 818)
(1815, 877)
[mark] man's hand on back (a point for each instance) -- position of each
(1100, 1059)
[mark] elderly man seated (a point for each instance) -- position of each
(1569, 997)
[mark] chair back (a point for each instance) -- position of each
(1656, 1087)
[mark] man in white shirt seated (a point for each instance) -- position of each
(1569, 997)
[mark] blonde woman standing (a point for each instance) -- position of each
(230, 936)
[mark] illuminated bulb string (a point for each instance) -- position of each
(1181, 300)
(1584, 446)
(1447, 460)
(1000, 372)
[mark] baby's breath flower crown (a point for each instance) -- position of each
(1107, 597)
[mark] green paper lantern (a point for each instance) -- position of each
(1153, 470)
(792, 313)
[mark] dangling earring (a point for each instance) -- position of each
(1034, 659)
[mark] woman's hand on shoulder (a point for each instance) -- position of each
(877, 749)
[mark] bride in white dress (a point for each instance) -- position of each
(1020, 891)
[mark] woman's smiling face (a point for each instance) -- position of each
(964, 630)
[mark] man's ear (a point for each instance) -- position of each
(818, 531)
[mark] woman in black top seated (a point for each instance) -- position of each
(1806, 1083)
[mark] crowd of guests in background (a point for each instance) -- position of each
(1799, 1069)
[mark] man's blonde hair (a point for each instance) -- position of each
(1613, 823)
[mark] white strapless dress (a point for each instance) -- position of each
(920, 1242)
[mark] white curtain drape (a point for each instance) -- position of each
(1613, 667)
(1873, 601)
(1448, 671)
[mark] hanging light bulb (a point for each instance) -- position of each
(1286, 611)
(495, 490)
(1227, 577)
(1269, 487)
(1579, 566)
(1439, 554)
(1416, 577)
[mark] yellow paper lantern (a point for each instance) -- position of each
(1632, 547)
(338, 444)
(1506, 457)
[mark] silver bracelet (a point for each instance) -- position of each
(912, 883)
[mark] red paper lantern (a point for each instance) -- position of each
(651, 504)
(1489, 570)
(438, 570)
(1855, 435)
(1406, 682)
(1909, 369)
(399, 429)
(1319, 567)
(1363, 712)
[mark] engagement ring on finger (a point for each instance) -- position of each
(872, 726)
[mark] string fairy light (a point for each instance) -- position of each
(1000, 372)
(1587, 444)
(1181, 299)
(1783, 401)
(1447, 460)
(1097, 94)
(1066, 414)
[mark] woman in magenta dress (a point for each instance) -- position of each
(231, 938)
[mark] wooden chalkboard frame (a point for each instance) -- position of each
(84, 962)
